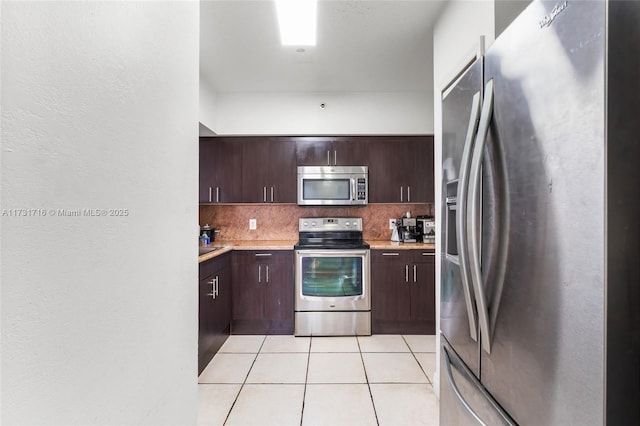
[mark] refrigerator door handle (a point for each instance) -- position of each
(461, 215)
(456, 391)
(474, 217)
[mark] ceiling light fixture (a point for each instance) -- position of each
(297, 20)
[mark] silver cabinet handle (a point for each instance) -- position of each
(264, 194)
(213, 288)
(335, 157)
(391, 254)
(259, 273)
(408, 194)
(428, 254)
(263, 254)
(415, 273)
(272, 194)
(406, 273)
(473, 218)
(461, 215)
(217, 194)
(401, 198)
(217, 291)
(328, 159)
(267, 281)
(209, 194)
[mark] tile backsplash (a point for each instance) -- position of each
(280, 221)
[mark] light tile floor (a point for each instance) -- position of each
(282, 380)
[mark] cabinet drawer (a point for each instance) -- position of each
(389, 255)
(423, 256)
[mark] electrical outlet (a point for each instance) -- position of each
(253, 224)
(392, 223)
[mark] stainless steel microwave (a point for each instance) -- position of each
(333, 185)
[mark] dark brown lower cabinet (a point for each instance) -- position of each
(262, 292)
(403, 292)
(214, 319)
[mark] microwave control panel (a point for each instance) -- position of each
(362, 189)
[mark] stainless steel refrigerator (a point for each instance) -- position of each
(540, 266)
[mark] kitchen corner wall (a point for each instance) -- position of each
(280, 221)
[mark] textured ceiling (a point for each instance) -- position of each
(362, 46)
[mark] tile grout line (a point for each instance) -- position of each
(416, 358)
(306, 379)
(244, 382)
(366, 377)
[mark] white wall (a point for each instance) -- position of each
(456, 39)
(344, 113)
(99, 111)
(208, 112)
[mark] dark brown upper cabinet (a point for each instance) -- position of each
(401, 169)
(262, 169)
(220, 170)
(332, 151)
(268, 170)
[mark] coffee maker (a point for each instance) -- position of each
(408, 230)
(427, 228)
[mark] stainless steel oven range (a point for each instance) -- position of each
(332, 282)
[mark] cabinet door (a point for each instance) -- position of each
(388, 157)
(228, 178)
(281, 183)
(268, 170)
(214, 307)
(220, 167)
(255, 163)
(420, 181)
(401, 169)
(248, 288)
(423, 292)
(313, 151)
(222, 301)
(390, 291)
(332, 151)
(349, 151)
(205, 322)
(279, 292)
(262, 292)
(206, 171)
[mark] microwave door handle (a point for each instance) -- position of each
(353, 189)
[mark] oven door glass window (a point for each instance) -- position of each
(332, 276)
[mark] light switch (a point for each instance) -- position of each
(253, 224)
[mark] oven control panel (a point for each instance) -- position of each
(330, 224)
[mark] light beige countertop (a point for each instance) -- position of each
(227, 246)
(392, 245)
